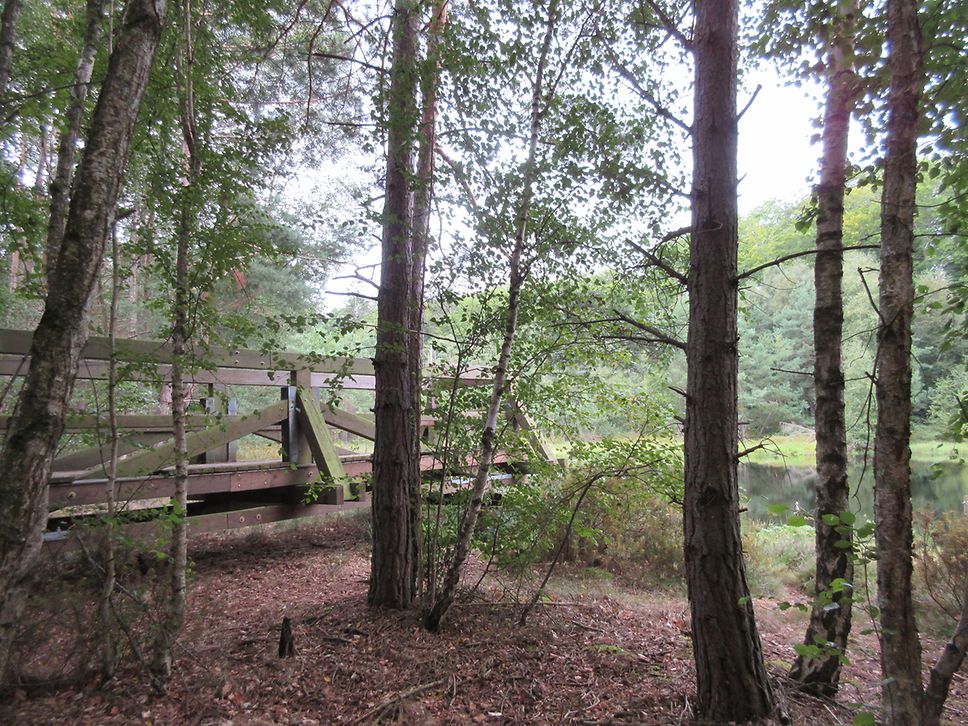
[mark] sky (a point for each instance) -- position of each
(775, 153)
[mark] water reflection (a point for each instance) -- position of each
(938, 487)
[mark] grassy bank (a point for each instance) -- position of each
(800, 451)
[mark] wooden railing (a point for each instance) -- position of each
(226, 492)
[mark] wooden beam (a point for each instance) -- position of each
(320, 442)
(140, 424)
(350, 422)
(95, 456)
(202, 479)
(17, 342)
(161, 456)
(98, 371)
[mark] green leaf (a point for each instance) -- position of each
(797, 520)
(831, 520)
(864, 718)
(848, 518)
(778, 510)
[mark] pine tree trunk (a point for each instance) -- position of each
(38, 419)
(60, 184)
(900, 646)
(732, 680)
(396, 468)
(830, 619)
(423, 197)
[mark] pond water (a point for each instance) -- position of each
(940, 487)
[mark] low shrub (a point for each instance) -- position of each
(778, 557)
(941, 568)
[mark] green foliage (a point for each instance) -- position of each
(779, 556)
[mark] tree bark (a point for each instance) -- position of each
(423, 197)
(174, 616)
(900, 646)
(396, 467)
(944, 670)
(60, 184)
(38, 419)
(439, 611)
(830, 618)
(732, 680)
(8, 37)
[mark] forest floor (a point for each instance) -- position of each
(591, 654)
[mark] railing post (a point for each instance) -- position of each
(216, 403)
(290, 427)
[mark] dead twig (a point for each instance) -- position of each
(378, 712)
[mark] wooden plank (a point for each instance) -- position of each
(18, 342)
(161, 456)
(126, 422)
(98, 370)
(347, 421)
(200, 481)
(320, 442)
(95, 456)
(521, 421)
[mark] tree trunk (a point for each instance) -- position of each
(174, 616)
(38, 419)
(732, 680)
(60, 184)
(423, 197)
(8, 37)
(106, 604)
(900, 646)
(830, 617)
(442, 605)
(396, 468)
(944, 670)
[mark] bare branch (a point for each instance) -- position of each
(653, 331)
(795, 255)
(750, 102)
(657, 262)
(669, 24)
(350, 293)
(348, 59)
(646, 95)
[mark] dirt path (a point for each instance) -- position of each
(584, 658)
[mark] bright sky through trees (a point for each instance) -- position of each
(776, 158)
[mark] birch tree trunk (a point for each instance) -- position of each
(396, 466)
(902, 691)
(60, 184)
(732, 680)
(445, 599)
(174, 616)
(830, 619)
(944, 670)
(38, 418)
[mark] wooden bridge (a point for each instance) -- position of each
(225, 492)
